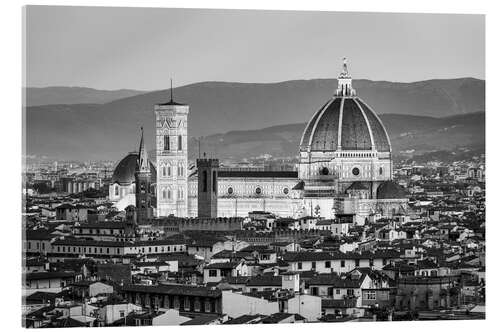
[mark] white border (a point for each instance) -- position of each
(11, 142)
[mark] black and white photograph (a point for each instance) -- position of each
(185, 166)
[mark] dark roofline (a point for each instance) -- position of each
(173, 290)
(257, 174)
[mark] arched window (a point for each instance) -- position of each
(163, 171)
(179, 142)
(204, 180)
(214, 181)
(117, 190)
(166, 142)
(169, 194)
(164, 194)
(169, 171)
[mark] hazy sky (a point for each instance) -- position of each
(141, 48)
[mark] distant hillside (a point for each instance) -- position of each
(422, 134)
(92, 131)
(74, 95)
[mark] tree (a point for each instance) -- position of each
(317, 210)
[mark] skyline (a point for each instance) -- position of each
(117, 54)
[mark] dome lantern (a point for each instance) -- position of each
(345, 82)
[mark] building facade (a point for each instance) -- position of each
(172, 158)
(345, 167)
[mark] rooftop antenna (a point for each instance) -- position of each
(199, 147)
(171, 91)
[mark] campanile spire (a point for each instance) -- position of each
(143, 155)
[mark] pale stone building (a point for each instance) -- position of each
(345, 167)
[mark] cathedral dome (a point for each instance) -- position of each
(124, 173)
(390, 190)
(345, 122)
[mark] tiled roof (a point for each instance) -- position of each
(338, 303)
(244, 319)
(173, 290)
(39, 234)
(159, 242)
(276, 318)
(307, 256)
(48, 275)
(222, 265)
(103, 225)
(88, 242)
(236, 279)
(257, 174)
(265, 280)
(225, 254)
(335, 281)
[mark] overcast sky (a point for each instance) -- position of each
(141, 48)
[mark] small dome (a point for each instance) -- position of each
(359, 186)
(390, 190)
(359, 127)
(124, 173)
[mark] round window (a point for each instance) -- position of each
(258, 190)
(230, 190)
(324, 171)
(285, 190)
(355, 171)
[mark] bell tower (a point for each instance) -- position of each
(208, 169)
(143, 185)
(171, 157)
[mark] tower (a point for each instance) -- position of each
(207, 186)
(171, 158)
(143, 185)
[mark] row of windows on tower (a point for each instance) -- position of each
(167, 194)
(205, 181)
(166, 171)
(167, 140)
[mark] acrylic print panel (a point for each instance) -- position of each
(196, 167)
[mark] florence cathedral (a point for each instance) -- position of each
(345, 167)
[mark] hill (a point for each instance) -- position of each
(408, 134)
(74, 95)
(97, 131)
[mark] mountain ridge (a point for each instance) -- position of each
(69, 95)
(94, 131)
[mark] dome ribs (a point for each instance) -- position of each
(324, 135)
(309, 127)
(380, 137)
(355, 132)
